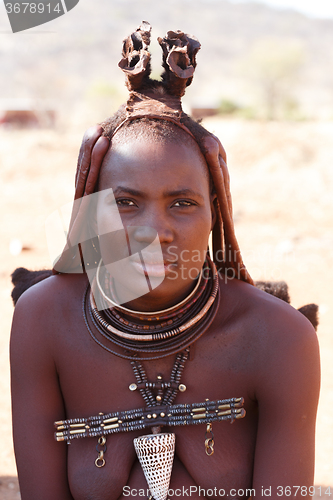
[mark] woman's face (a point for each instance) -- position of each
(159, 188)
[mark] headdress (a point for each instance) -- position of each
(159, 100)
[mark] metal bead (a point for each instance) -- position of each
(158, 398)
(182, 387)
(132, 387)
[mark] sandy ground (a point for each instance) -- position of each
(282, 185)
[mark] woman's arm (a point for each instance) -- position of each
(287, 394)
(36, 402)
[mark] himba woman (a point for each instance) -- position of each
(143, 346)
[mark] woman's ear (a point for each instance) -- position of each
(213, 208)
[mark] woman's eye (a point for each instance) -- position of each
(183, 203)
(125, 203)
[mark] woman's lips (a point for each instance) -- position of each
(153, 270)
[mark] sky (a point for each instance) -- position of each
(313, 8)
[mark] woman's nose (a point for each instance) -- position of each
(145, 235)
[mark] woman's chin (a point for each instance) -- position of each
(164, 295)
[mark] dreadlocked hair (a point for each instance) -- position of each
(166, 129)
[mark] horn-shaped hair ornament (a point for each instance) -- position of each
(158, 100)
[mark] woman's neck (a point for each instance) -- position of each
(155, 300)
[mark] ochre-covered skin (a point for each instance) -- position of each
(258, 347)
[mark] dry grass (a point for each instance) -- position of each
(282, 184)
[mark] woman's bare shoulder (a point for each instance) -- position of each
(43, 307)
(54, 291)
(266, 318)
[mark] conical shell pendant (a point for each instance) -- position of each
(155, 453)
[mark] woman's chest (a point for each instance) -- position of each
(96, 381)
(93, 379)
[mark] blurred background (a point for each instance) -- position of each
(263, 84)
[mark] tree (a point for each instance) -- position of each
(274, 64)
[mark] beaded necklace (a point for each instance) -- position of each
(142, 314)
(155, 323)
(164, 342)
